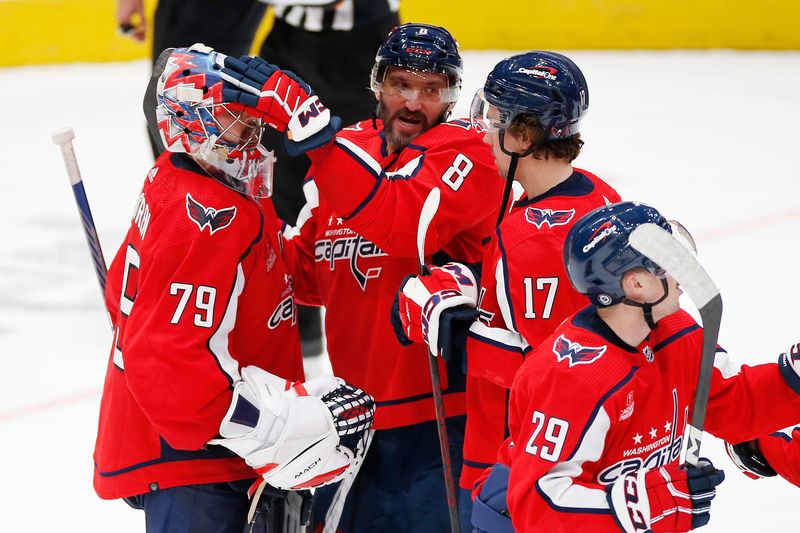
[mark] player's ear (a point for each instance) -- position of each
(633, 284)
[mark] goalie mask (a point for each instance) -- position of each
(597, 253)
(193, 117)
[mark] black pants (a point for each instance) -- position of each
(227, 26)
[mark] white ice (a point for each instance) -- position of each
(708, 137)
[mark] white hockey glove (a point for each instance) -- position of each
(668, 498)
(431, 308)
(289, 433)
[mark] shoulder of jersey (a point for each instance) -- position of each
(610, 195)
(454, 133)
(676, 325)
(199, 205)
(360, 130)
(573, 353)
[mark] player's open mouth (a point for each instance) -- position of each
(409, 121)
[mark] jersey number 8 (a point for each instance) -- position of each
(454, 176)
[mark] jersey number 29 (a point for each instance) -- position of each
(555, 433)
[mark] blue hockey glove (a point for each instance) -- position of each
(490, 509)
(283, 99)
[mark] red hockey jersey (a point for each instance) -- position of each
(357, 239)
(525, 294)
(198, 288)
(782, 451)
(586, 408)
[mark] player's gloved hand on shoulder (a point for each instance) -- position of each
(287, 103)
(668, 498)
(789, 363)
(436, 308)
(290, 433)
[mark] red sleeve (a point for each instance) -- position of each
(553, 439)
(383, 203)
(782, 451)
(494, 351)
(176, 352)
(744, 402)
(169, 370)
(751, 401)
(299, 248)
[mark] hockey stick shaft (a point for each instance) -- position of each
(63, 139)
(711, 316)
(334, 514)
(429, 209)
(659, 245)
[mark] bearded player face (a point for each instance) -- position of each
(411, 103)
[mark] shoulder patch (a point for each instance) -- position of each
(540, 217)
(577, 354)
(215, 219)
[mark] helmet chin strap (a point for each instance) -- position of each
(647, 307)
(512, 169)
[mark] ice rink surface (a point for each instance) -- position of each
(707, 137)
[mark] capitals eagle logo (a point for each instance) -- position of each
(215, 219)
(540, 217)
(577, 354)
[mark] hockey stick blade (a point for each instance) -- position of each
(429, 209)
(662, 248)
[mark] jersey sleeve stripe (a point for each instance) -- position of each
(312, 202)
(503, 298)
(476, 464)
(501, 338)
(357, 153)
(558, 488)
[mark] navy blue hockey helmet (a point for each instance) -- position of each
(597, 252)
(547, 85)
(419, 47)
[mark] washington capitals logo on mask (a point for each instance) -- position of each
(577, 354)
(203, 216)
(540, 217)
